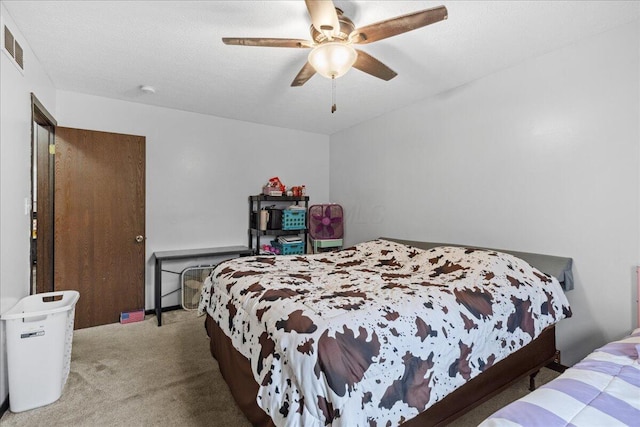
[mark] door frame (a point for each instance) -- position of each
(44, 252)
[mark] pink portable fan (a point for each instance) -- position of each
(326, 226)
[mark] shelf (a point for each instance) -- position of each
(256, 232)
(260, 200)
(264, 198)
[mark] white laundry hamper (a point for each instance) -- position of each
(39, 333)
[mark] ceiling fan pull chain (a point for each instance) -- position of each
(333, 94)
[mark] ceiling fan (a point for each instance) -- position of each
(333, 36)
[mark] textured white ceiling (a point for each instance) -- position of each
(110, 48)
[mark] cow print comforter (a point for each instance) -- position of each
(374, 334)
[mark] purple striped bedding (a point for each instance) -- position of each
(601, 390)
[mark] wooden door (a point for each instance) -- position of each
(100, 222)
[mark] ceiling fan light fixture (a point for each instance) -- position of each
(332, 59)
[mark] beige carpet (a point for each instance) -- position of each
(142, 375)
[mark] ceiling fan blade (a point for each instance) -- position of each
(398, 25)
(265, 42)
(323, 16)
(371, 65)
(304, 74)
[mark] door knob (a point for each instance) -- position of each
(139, 239)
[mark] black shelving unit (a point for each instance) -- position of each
(259, 201)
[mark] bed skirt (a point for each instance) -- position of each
(236, 370)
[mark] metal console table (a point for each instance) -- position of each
(160, 257)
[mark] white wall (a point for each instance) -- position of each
(15, 168)
(200, 170)
(542, 157)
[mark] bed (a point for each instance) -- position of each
(382, 333)
(601, 390)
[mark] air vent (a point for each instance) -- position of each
(19, 56)
(9, 42)
(13, 49)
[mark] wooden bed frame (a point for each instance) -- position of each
(541, 352)
(236, 370)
